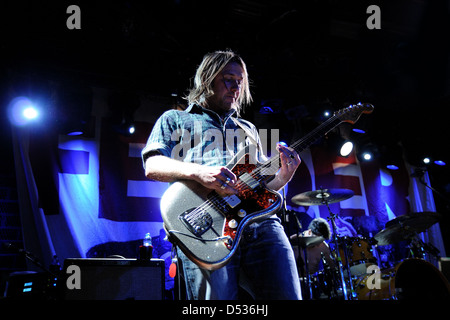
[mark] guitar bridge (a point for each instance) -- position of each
(198, 221)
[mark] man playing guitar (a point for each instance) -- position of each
(181, 148)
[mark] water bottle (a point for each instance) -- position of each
(146, 249)
(147, 240)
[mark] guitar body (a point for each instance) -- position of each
(206, 226)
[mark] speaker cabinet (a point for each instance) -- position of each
(113, 279)
(444, 267)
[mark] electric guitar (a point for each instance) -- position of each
(207, 227)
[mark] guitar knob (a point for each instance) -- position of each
(242, 213)
(233, 224)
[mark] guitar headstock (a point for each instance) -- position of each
(352, 113)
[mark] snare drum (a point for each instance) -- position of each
(411, 279)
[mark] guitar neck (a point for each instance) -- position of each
(268, 168)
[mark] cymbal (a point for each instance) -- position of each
(305, 241)
(406, 227)
(417, 220)
(323, 196)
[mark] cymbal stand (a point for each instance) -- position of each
(286, 219)
(308, 276)
(332, 218)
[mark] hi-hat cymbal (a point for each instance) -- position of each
(323, 196)
(305, 241)
(406, 227)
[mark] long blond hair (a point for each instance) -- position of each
(211, 65)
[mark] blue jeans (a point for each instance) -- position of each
(263, 265)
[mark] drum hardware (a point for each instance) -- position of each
(411, 279)
(327, 197)
(340, 266)
(406, 228)
(308, 276)
(330, 278)
(304, 242)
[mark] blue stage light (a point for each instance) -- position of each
(21, 111)
(30, 113)
(392, 167)
(358, 130)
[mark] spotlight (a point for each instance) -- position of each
(131, 129)
(391, 155)
(21, 111)
(358, 130)
(426, 160)
(30, 113)
(368, 152)
(367, 156)
(75, 133)
(327, 114)
(346, 148)
(392, 167)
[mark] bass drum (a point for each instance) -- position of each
(411, 279)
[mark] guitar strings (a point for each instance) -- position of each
(303, 143)
(265, 169)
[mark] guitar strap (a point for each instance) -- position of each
(248, 133)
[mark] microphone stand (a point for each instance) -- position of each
(419, 173)
(30, 257)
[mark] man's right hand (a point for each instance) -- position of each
(219, 178)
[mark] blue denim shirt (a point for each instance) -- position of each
(199, 135)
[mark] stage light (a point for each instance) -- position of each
(368, 152)
(391, 155)
(75, 133)
(426, 160)
(21, 111)
(131, 129)
(30, 113)
(346, 148)
(367, 156)
(327, 114)
(392, 167)
(358, 130)
(440, 163)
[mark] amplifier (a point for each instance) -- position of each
(444, 267)
(113, 279)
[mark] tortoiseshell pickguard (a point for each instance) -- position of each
(252, 200)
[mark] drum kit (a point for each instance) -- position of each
(351, 270)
